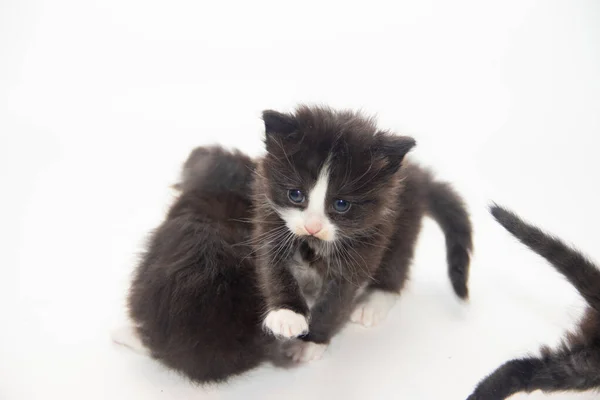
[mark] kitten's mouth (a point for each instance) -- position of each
(318, 245)
(313, 239)
(320, 236)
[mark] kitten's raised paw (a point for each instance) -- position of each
(301, 351)
(374, 308)
(286, 323)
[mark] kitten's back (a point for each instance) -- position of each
(194, 298)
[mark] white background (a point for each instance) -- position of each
(100, 102)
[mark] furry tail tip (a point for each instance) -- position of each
(501, 214)
(511, 222)
(458, 260)
(448, 209)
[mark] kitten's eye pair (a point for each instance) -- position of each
(339, 205)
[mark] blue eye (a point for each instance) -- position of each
(296, 196)
(341, 206)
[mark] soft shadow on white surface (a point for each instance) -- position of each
(100, 101)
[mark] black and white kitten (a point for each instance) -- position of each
(575, 365)
(334, 190)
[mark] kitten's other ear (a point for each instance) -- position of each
(279, 123)
(394, 148)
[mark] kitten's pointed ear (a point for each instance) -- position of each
(394, 148)
(279, 123)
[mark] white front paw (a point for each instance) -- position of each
(286, 323)
(372, 310)
(301, 351)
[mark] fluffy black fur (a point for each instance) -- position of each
(575, 365)
(195, 298)
(389, 197)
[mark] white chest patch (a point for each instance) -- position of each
(308, 278)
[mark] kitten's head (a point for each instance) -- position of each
(329, 175)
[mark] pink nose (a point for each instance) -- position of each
(313, 227)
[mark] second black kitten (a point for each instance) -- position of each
(194, 301)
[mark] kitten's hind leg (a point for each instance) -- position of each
(128, 337)
(566, 371)
(389, 279)
(372, 307)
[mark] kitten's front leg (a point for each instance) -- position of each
(286, 323)
(302, 351)
(288, 312)
(390, 275)
(328, 315)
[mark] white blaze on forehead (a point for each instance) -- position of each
(318, 193)
(317, 205)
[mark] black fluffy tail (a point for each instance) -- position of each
(582, 273)
(448, 209)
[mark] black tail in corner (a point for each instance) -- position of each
(582, 273)
(448, 209)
